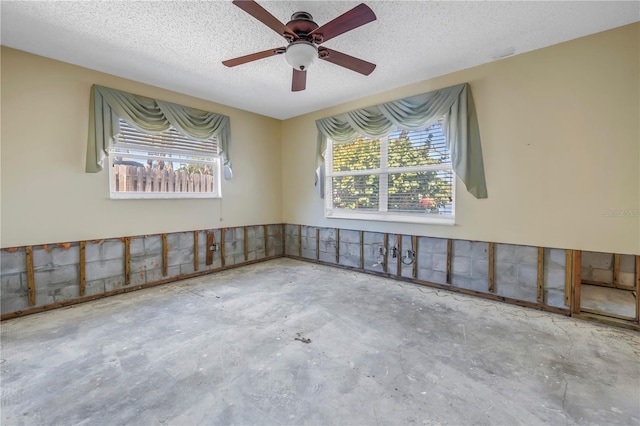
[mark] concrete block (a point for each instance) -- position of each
(253, 232)
(505, 273)
(180, 256)
(528, 276)
(257, 243)
(94, 287)
(555, 259)
(480, 268)
(12, 284)
(434, 245)
(602, 275)
(505, 253)
(105, 269)
(61, 274)
(327, 257)
(406, 270)
(233, 247)
(92, 252)
(349, 236)
(327, 234)
(369, 266)
(309, 231)
(425, 260)
(11, 263)
(154, 275)
(461, 266)
(172, 272)
(373, 238)
(308, 253)
(440, 262)
(626, 278)
(62, 257)
(115, 283)
(42, 258)
(352, 249)
(238, 258)
(554, 278)
(597, 260)
(554, 297)
(479, 250)
(65, 293)
(13, 304)
(475, 284)
(145, 263)
(187, 268)
(348, 260)
(152, 244)
(526, 255)
(327, 246)
(112, 249)
(260, 254)
(432, 276)
(518, 292)
(136, 247)
(627, 263)
(461, 248)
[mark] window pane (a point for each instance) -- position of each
(418, 148)
(360, 154)
(356, 192)
(158, 173)
(426, 192)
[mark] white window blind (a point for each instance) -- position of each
(164, 165)
(405, 175)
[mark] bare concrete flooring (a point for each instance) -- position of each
(287, 342)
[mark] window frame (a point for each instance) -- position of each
(119, 150)
(383, 172)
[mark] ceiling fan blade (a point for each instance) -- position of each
(253, 57)
(299, 80)
(356, 17)
(347, 61)
(262, 15)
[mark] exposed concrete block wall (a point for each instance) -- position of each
(292, 247)
(327, 245)
(309, 242)
(374, 251)
(470, 265)
(432, 260)
(57, 267)
(350, 248)
(599, 267)
(516, 272)
(555, 269)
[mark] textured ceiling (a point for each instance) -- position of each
(179, 45)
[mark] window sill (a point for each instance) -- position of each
(392, 217)
(161, 195)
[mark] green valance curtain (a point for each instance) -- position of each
(151, 116)
(416, 112)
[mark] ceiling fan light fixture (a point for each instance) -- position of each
(301, 54)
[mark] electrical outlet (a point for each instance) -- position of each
(394, 252)
(381, 251)
(411, 254)
(215, 247)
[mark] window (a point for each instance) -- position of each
(165, 165)
(404, 177)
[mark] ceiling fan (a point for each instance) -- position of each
(304, 38)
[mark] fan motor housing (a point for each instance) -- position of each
(302, 24)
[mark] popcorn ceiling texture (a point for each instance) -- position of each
(180, 45)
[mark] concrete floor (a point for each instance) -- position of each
(232, 348)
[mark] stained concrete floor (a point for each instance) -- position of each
(232, 348)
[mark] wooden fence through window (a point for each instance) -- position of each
(141, 179)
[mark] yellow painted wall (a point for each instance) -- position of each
(560, 131)
(46, 195)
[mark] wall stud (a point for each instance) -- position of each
(165, 256)
(31, 284)
(196, 261)
(246, 243)
(337, 245)
(577, 281)
(540, 293)
(361, 250)
(265, 232)
(83, 268)
(317, 243)
(492, 264)
(385, 259)
(127, 260)
(568, 277)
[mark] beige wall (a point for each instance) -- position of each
(560, 131)
(46, 195)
